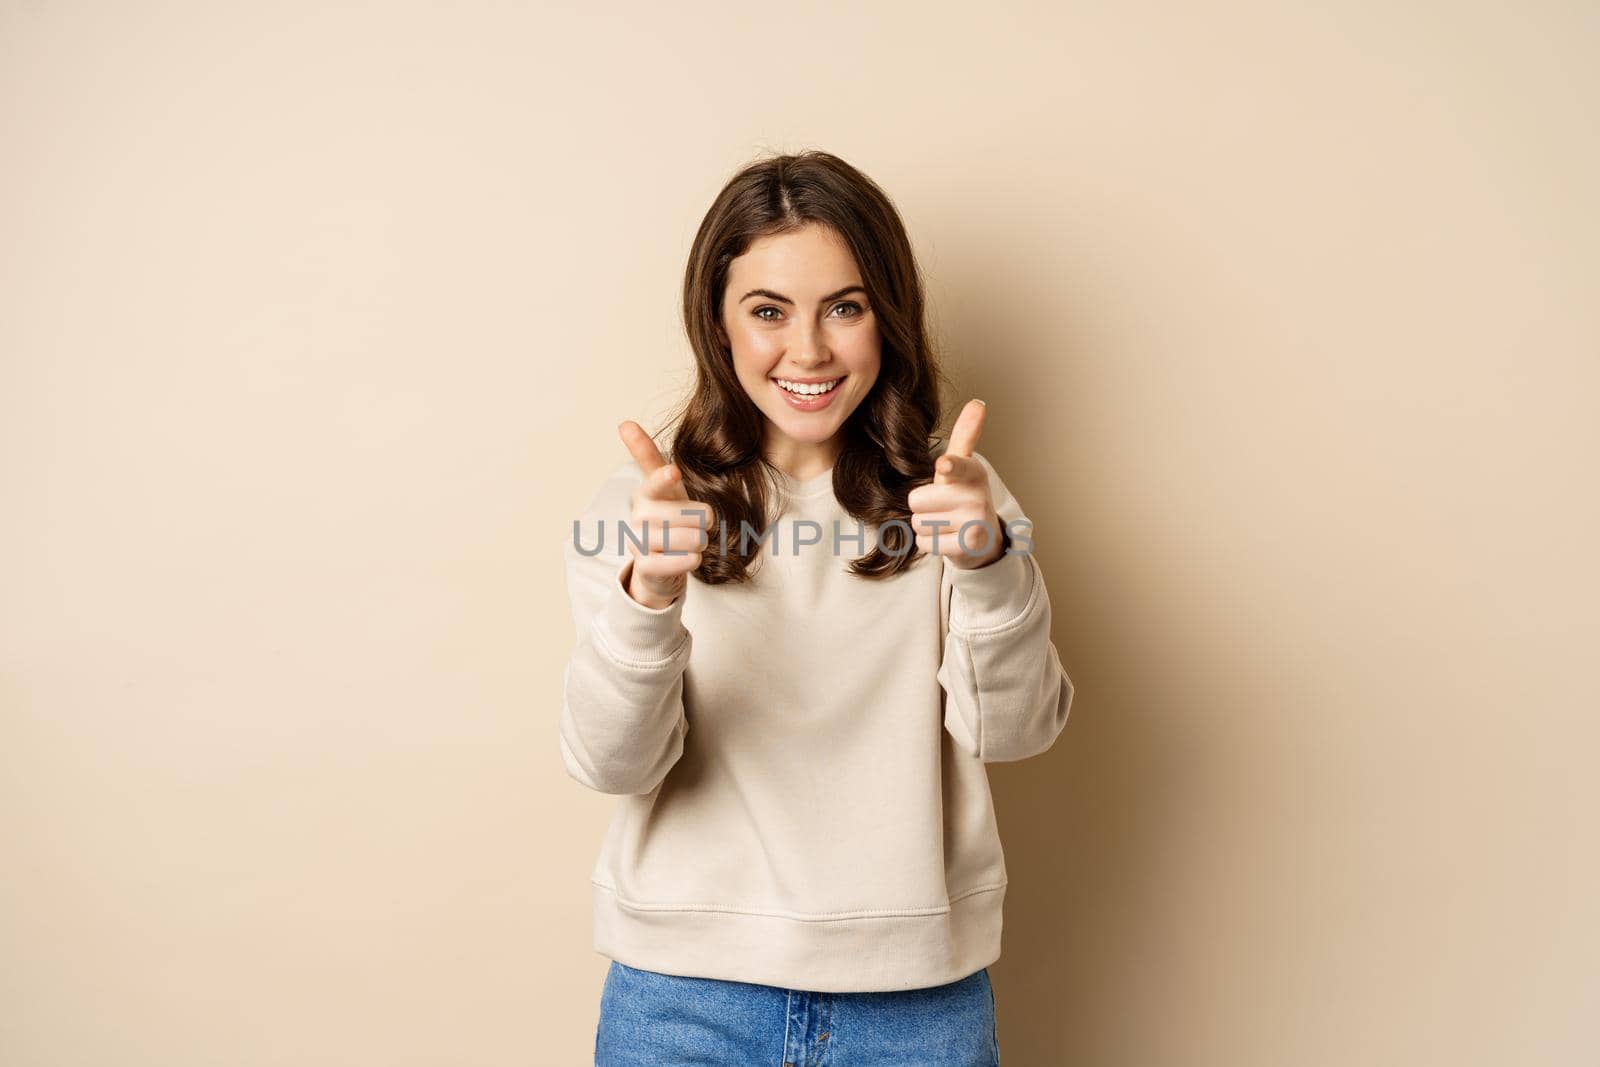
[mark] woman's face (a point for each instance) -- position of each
(794, 312)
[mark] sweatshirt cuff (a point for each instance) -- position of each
(635, 633)
(993, 595)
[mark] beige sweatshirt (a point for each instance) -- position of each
(800, 759)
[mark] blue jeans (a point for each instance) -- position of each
(665, 1020)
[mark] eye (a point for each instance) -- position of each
(856, 311)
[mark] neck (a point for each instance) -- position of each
(803, 461)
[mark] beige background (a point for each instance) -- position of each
(316, 328)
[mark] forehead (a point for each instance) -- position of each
(802, 264)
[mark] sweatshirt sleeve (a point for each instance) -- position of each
(622, 714)
(1007, 695)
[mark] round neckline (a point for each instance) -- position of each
(813, 486)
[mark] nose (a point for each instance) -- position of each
(808, 348)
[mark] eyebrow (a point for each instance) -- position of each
(770, 295)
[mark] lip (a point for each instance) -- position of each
(808, 381)
(810, 403)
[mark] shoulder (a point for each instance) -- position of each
(625, 471)
(1006, 504)
(614, 495)
(622, 478)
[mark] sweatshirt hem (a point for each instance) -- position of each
(849, 952)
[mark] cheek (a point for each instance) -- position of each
(862, 350)
(750, 359)
(754, 347)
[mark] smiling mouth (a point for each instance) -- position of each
(808, 389)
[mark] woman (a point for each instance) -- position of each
(820, 630)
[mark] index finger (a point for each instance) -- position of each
(964, 435)
(641, 446)
(661, 480)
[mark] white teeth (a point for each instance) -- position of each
(807, 390)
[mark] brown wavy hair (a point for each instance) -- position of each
(887, 440)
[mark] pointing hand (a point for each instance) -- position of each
(673, 527)
(958, 496)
